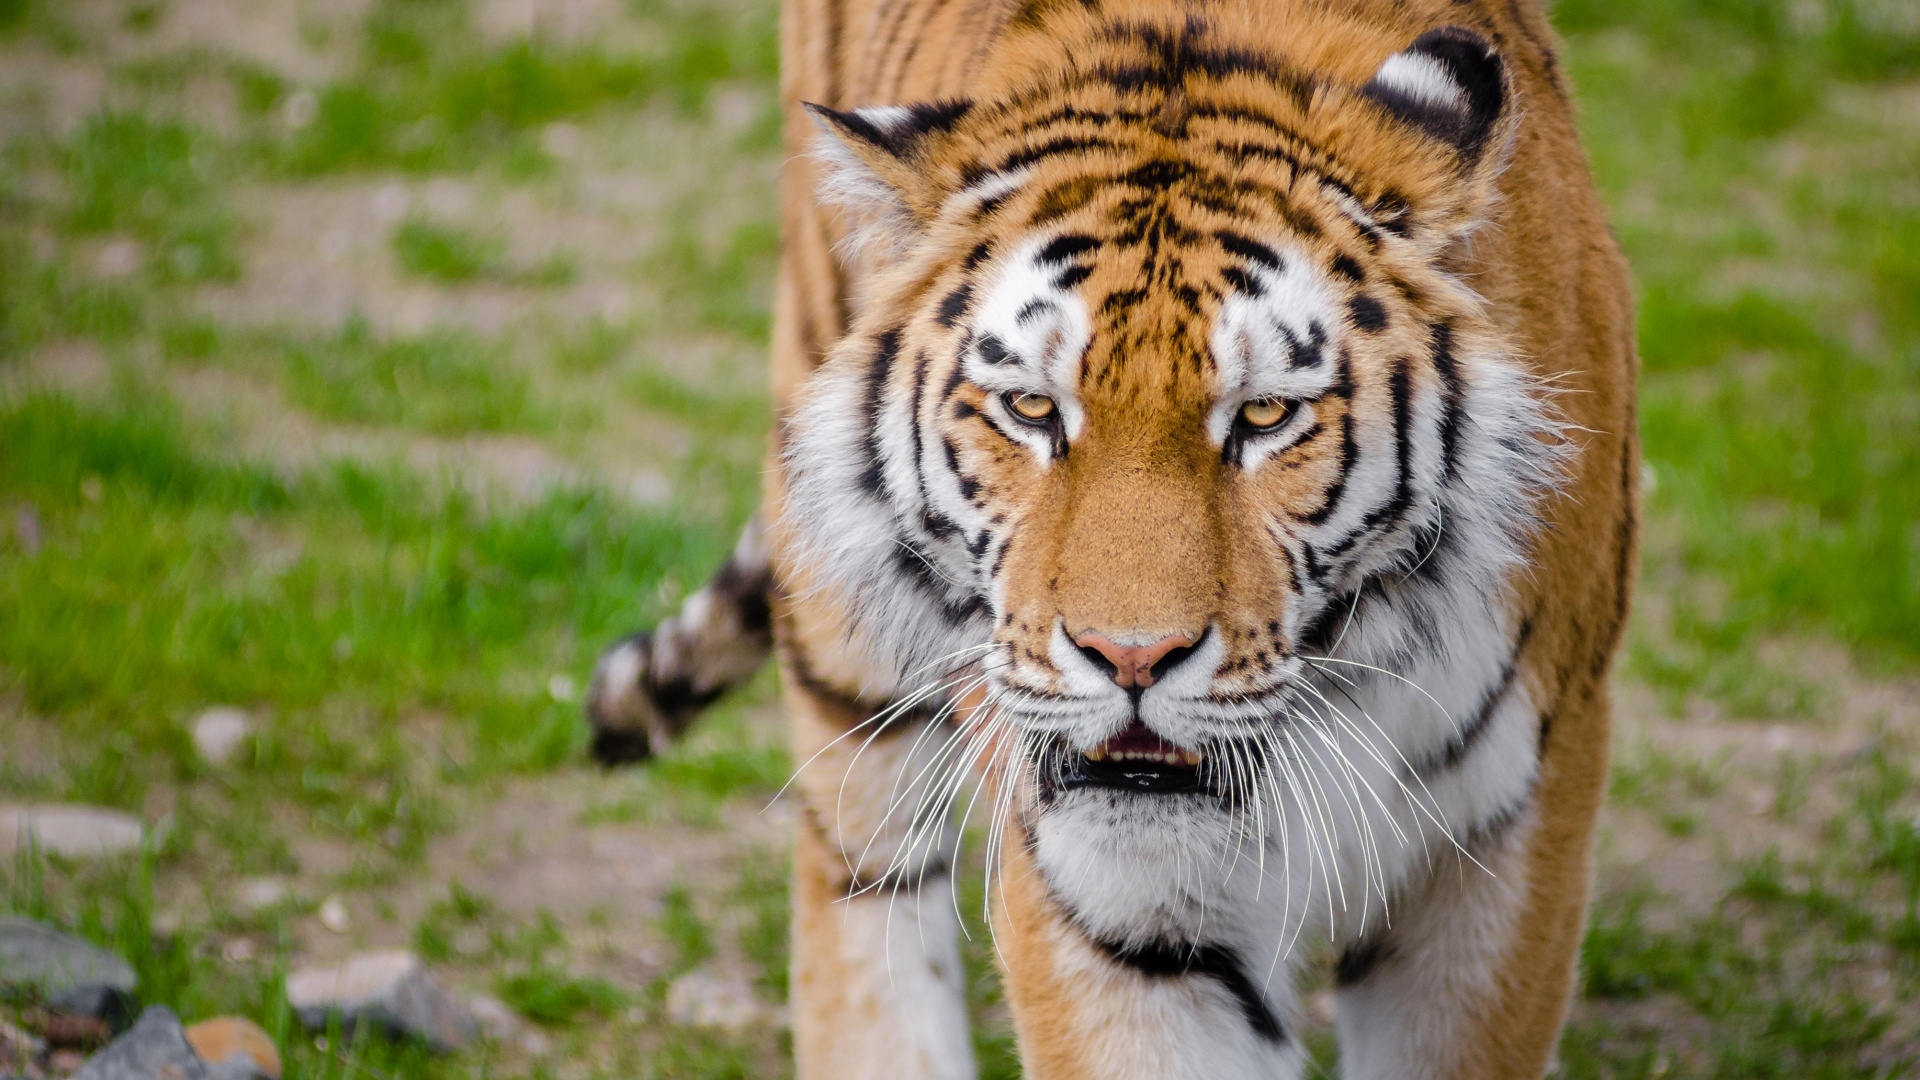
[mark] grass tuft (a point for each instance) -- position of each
(445, 381)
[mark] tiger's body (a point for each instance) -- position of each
(1210, 426)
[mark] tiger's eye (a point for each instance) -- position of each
(1264, 412)
(1031, 406)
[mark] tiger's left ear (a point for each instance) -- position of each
(1450, 84)
(878, 167)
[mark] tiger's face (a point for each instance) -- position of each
(1170, 421)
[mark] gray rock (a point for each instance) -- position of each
(391, 990)
(156, 1048)
(36, 956)
(76, 832)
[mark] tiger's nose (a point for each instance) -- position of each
(1134, 665)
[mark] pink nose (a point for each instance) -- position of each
(1132, 664)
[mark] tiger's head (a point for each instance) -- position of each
(1166, 395)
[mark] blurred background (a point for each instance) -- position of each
(367, 365)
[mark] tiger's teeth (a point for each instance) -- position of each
(1187, 758)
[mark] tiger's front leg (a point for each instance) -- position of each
(1473, 980)
(877, 985)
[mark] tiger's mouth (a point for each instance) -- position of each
(1136, 760)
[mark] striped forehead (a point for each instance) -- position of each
(1259, 318)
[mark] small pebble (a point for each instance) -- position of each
(390, 990)
(27, 531)
(236, 1047)
(18, 1049)
(333, 915)
(218, 733)
(300, 109)
(255, 894)
(72, 831)
(120, 258)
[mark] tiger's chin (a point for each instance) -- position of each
(1144, 848)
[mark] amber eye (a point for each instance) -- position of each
(1034, 408)
(1263, 413)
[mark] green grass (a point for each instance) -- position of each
(688, 934)
(445, 253)
(1779, 416)
(452, 255)
(444, 381)
(145, 605)
(550, 996)
(129, 173)
(430, 94)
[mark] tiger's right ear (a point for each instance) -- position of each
(1450, 83)
(877, 169)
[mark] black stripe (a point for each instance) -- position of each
(1349, 450)
(1242, 282)
(799, 668)
(1251, 250)
(915, 564)
(920, 361)
(1065, 247)
(1367, 313)
(1161, 960)
(873, 479)
(1050, 148)
(1451, 393)
(1385, 517)
(1463, 741)
(1072, 277)
(953, 306)
(1358, 960)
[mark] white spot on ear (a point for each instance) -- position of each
(888, 118)
(1421, 78)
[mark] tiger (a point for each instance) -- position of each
(1205, 466)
